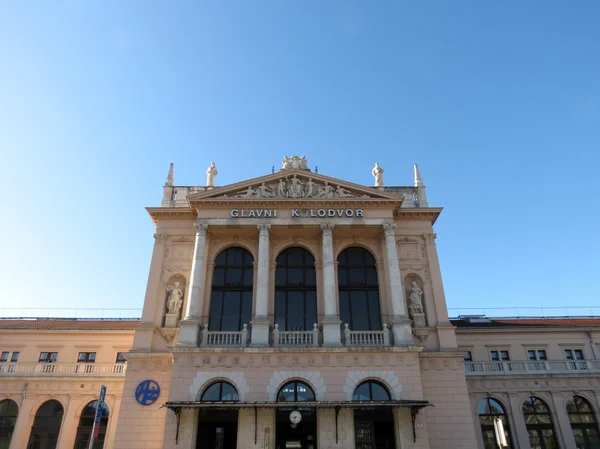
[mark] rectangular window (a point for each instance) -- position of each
(48, 357)
(468, 356)
(537, 354)
(121, 357)
(14, 357)
(86, 357)
(4, 356)
(499, 356)
(576, 359)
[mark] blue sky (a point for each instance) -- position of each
(498, 102)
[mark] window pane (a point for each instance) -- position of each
(295, 316)
(212, 393)
(371, 276)
(342, 277)
(248, 277)
(311, 277)
(214, 322)
(287, 393)
(229, 393)
(280, 309)
(231, 312)
(246, 308)
(233, 277)
(362, 392)
(379, 393)
(295, 256)
(357, 276)
(304, 393)
(374, 310)
(295, 276)
(359, 310)
(311, 309)
(344, 309)
(218, 277)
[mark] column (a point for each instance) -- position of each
(22, 430)
(189, 325)
(400, 323)
(445, 330)
(261, 323)
(70, 421)
(519, 432)
(332, 333)
(562, 425)
(143, 335)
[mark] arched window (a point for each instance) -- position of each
(295, 290)
(539, 424)
(231, 295)
(86, 423)
(583, 423)
(8, 418)
(488, 410)
(371, 391)
(358, 289)
(46, 426)
(296, 391)
(220, 391)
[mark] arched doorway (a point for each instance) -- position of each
(358, 290)
(295, 290)
(46, 426)
(217, 427)
(296, 426)
(373, 426)
(583, 423)
(8, 417)
(539, 424)
(489, 409)
(231, 294)
(86, 424)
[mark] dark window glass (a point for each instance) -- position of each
(231, 295)
(295, 290)
(48, 357)
(296, 392)
(86, 423)
(46, 426)
(86, 357)
(14, 357)
(539, 424)
(371, 391)
(499, 356)
(583, 423)
(4, 356)
(488, 410)
(220, 391)
(468, 356)
(358, 290)
(121, 357)
(8, 418)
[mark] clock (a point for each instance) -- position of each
(295, 417)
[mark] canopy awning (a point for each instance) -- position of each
(415, 407)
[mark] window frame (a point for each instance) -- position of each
(296, 383)
(88, 357)
(4, 356)
(52, 357)
(487, 429)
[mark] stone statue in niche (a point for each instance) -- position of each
(416, 306)
(211, 173)
(377, 172)
(174, 304)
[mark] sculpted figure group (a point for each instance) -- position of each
(294, 188)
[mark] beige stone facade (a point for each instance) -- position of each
(298, 285)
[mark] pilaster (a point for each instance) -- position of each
(261, 323)
(332, 335)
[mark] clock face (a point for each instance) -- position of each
(295, 417)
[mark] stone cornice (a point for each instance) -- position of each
(171, 213)
(270, 203)
(419, 213)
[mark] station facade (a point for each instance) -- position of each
(297, 310)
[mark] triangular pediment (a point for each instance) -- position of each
(294, 185)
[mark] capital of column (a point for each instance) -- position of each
(201, 227)
(327, 229)
(389, 229)
(273, 265)
(160, 237)
(264, 229)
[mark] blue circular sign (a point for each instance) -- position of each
(147, 392)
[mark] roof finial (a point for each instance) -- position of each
(418, 179)
(169, 181)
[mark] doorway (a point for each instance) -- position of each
(217, 429)
(374, 428)
(296, 435)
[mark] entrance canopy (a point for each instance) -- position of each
(415, 407)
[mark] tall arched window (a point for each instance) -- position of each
(583, 423)
(539, 424)
(46, 426)
(488, 410)
(296, 391)
(231, 295)
(358, 289)
(295, 290)
(220, 391)
(371, 391)
(8, 418)
(86, 423)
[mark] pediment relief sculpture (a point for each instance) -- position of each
(294, 188)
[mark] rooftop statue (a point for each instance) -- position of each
(294, 163)
(211, 173)
(378, 173)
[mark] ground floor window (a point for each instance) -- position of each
(373, 426)
(86, 424)
(539, 424)
(583, 423)
(488, 410)
(46, 426)
(8, 418)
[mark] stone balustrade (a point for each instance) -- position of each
(224, 339)
(296, 338)
(63, 369)
(534, 367)
(366, 338)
